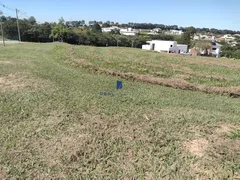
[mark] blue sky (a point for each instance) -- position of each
(221, 14)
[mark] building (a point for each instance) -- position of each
(234, 43)
(165, 46)
(220, 39)
(128, 32)
(228, 37)
(213, 50)
(216, 49)
(156, 30)
(177, 32)
(194, 52)
(109, 29)
(196, 37)
(207, 37)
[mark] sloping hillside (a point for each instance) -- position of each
(175, 117)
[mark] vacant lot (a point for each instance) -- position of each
(176, 117)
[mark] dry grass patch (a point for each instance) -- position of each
(215, 151)
(233, 91)
(57, 148)
(228, 64)
(226, 128)
(181, 83)
(3, 172)
(197, 147)
(6, 62)
(102, 59)
(133, 67)
(19, 81)
(181, 76)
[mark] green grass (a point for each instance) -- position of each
(235, 134)
(55, 125)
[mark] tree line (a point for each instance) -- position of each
(77, 32)
(74, 32)
(149, 26)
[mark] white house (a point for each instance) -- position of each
(128, 32)
(207, 37)
(178, 32)
(109, 29)
(165, 46)
(196, 37)
(229, 37)
(157, 30)
(216, 49)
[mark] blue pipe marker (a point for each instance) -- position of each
(119, 85)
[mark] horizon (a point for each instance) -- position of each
(177, 13)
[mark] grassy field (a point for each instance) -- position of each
(176, 117)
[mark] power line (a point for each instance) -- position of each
(6, 7)
(20, 13)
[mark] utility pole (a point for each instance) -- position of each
(118, 41)
(132, 43)
(19, 35)
(2, 34)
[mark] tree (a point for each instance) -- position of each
(106, 25)
(91, 23)
(32, 20)
(96, 28)
(60, 30)
(203, 45)
(3, 18)
(191, 30)
(185, 39)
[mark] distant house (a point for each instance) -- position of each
(196, 37)
(207, 48)
(220, 39)
(228, 37)
(194, 52)
(216, 49)
(165, 46)
(109, 29)
(176, 32)
(156, 30)
(128, 32)
(234, 43)
(207, 37)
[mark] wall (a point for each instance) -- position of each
(146, 47)
(164, 45)
(182, 48)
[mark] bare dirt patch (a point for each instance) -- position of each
(197, 147)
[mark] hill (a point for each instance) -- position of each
(176, 117)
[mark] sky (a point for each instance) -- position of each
(219, 14)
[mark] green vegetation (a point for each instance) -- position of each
(55, 125)
(231, 52)
(235, 134)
